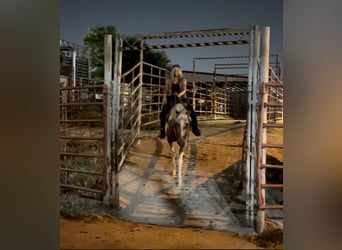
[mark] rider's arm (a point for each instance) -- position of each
(183, 88)
(166, 90)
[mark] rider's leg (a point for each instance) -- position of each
(162, 118)
(194, 123)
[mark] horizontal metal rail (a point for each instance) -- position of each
(263, 207)
(82, 104)
(186, 45)
(193, 33)
(272, 145)
(99, 86)
(100, 138)
(81, 154)
(272, 185)
(272, 125)
(81, 120)
(274, 104)
(80, 171)
(82, 188)
(272, 166)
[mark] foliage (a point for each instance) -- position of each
(94, 42)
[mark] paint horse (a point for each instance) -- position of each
(177, 131)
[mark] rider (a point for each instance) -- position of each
(175, 91)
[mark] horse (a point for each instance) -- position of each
(177, 130)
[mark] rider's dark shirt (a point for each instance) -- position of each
(175, 88)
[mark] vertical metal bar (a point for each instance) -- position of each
(193, 85)
(248, 150)
(254, 120)
(106, 139)
(140, 88)
(107, 124)
(73, 74)
(214, 103)
(264, 61)
(115, 121)
(74, 55)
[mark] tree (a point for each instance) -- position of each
(94, 42)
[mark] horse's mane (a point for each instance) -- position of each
(177, 110)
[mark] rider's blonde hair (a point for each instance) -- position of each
(172, 73)
(181, 80)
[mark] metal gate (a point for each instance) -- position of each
(83, 138)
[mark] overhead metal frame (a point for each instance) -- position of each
(227, 32)
(193, 33)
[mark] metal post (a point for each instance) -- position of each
(254, 120)
(213, 95)
(264, 61)
(108, 82)
(193, 85)
(140, 88)
(73, 74)
(116, 116)
(74, 55)
(248, 134)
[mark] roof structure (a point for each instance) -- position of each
(229, 82)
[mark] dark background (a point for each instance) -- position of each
(30, 128)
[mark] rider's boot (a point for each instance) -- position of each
(162, 133)
(195, 130)
(162, 128)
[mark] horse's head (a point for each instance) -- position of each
(182, 120)
(178, 122)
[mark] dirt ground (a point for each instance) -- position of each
(94, 232)
(89, 229)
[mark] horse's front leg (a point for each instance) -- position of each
(173, 156)
(181, 144)
(180, 164)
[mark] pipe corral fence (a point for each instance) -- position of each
(101, 120)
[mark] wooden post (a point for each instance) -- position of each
(264, 63)
(108, 82)
(115, 120)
